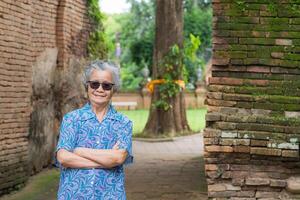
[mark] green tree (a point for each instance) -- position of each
(168, 114)
(136, 31)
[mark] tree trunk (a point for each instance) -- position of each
(169, 32)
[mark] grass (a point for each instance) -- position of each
(41, 186)
(196, 119)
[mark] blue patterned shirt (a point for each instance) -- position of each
(81, 128)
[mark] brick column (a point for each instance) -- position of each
(253, 125)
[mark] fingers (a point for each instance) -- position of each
(116, 146)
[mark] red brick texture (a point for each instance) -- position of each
(253, 124)
(28, 28)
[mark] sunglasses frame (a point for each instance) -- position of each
(108, 88)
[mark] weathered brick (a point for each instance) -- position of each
(214, 148)
(213, 174)
(214, 102)
(223, 187)
(211, 167)
(285, 42)
(214, 95)
(241, 149)
(220, 61)
(209, 141)
(228, 134)
(238, 181)
(226, 125)
(226, 175)
(265, 151)
(271, 195)
(221, 194)
(225, 81)
(290, 153)
(242, 198)
(238, 167)
(235, 142)
(259, 143)
(257, 181)
(210, 133)
(292, 114)
(213, 116)
(261, 83)
(277, 55)
(277, 183)
(258, 69)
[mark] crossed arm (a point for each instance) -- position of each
(92, 158)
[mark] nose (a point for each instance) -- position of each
(100, 88)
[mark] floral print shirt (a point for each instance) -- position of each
(81, 128)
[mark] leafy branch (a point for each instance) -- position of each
(173, 70)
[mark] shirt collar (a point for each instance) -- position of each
(87, 112)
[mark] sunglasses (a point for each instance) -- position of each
(105, 86)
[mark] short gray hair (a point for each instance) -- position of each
(103, 66)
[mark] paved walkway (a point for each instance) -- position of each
(161, 171)
(167, 170)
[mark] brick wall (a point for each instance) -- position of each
(253, 124)
(34, 37)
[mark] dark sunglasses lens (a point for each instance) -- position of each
(94, 85)
(107, 86)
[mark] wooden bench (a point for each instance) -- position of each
(130, 105)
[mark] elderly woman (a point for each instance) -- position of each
(95, 141)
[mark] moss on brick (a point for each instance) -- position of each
(278, 120)
(274, 20)
(284, 99)
(259, 54)
(237, 54)
(237, 47)
(260, 135)
(260, 41)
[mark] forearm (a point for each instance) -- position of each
(106, 157)
(72, 160)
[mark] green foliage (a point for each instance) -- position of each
(171, 67)
(295, 8)
(97, 46)
(241, 4)
(272, 7)
(136, 35)
(97, 43)
(94, 12)
(131, 77)
(191, 60)
(142, 51)
(197, 21)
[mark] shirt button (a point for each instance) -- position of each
(92, 182)
(97, 142)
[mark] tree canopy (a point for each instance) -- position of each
(135, 33)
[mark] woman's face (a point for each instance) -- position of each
(100, 96)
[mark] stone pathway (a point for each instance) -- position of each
(161, 171)
(167, 170)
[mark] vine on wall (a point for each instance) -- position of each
(97, 45)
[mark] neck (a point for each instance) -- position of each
(100, 110)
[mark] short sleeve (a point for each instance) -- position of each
(67, 136)
(125, 139)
